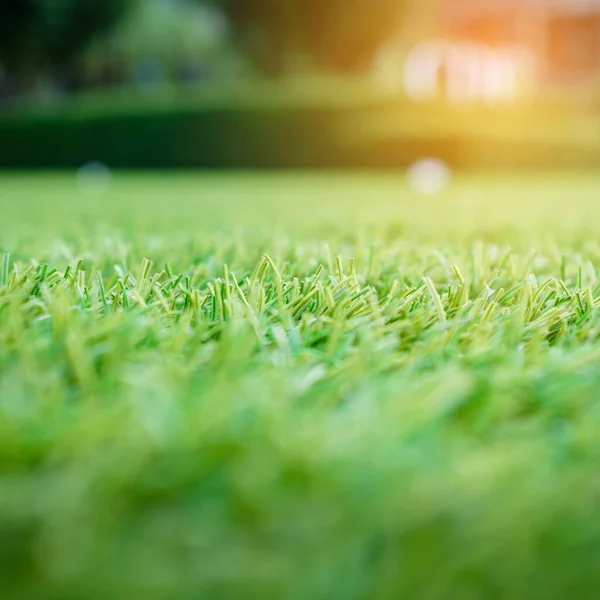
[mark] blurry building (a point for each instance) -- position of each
(498, 51)
(563, 35)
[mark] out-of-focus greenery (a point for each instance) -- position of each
(39, 35)
(159, 42)
(79, 44)
(337, 35)
(299, 387)
(332, 124)
(209, 107)
(69, 45)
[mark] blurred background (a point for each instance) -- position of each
(300, 83)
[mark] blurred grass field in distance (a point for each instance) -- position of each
(167, 203)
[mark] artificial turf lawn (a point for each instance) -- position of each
(299, 387)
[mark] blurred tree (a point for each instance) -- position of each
(329, 35)
(158, 40)
(39, 35)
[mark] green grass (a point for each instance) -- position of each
(299, 387)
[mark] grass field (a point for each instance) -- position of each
(299, 387)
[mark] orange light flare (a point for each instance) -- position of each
(492, 88)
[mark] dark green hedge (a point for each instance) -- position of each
(292, 137)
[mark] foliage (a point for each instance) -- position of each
(337, 35)
(38, 34)
(299, 387)
(166, 38)
(334, 123)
